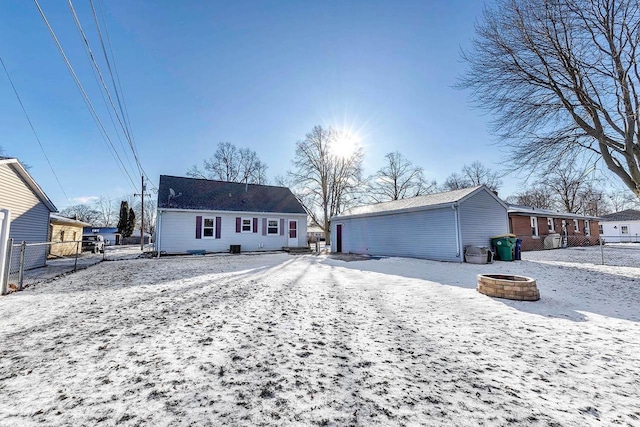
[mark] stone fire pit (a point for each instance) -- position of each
(508, 286)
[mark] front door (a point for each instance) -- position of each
(339, 238)
(293, 233)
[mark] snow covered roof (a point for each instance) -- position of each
(526, 210)
(625, 215)
(70, 221)
(205, 194)
(428, 201)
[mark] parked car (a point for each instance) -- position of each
(93, 243)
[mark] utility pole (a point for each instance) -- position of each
(144, 188)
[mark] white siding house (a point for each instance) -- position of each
(623, 226)
(434, 226)
(30, 208)
(200, 215)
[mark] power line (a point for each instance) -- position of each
(115, 81)
(34, 131)
(104, 85)
(87, 101)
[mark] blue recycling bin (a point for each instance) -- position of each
(518, 251)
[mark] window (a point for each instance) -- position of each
(246, 225)
(272, 226)
(75, 236)
(587, 232)
(550, 224)
(62, 235)
(600, 230)
(576, 228)
(624, 229)
(208, 228)
(534, 226)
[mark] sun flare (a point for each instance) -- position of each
(345, 145)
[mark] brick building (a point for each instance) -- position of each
(544, 229)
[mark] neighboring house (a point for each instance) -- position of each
(623, 226)
(315, 233)
(201, 215)
(66, 231)
(545, 229)
(110, 234)
(30, 208)
(434, 226)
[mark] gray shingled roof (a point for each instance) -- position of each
(529, 211)
(206, 194)
(626, 215)
(429, 200)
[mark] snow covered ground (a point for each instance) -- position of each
(274, 339)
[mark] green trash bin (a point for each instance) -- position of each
(505, 245)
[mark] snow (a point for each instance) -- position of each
(275, 339)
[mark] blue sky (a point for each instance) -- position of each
(258, 74)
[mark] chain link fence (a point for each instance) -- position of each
(31, 263)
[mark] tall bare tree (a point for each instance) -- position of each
(561, 78)
(620, 200)
(230, 163)
(83, 213)
(107, 211)
(398, 179)
(568, 183)
(472, 175)
(538, 196)
(323, 181)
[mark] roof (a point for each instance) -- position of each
(69, 221)
(428, 201)
(31, 183)
(625, 215)
(205, 194)
(526, 210)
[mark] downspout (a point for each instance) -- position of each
(457, 221)
(158, 232)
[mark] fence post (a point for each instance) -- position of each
(23, 247)
(4, 280)
(75, 264)
(601, 250)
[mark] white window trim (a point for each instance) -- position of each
(213, 228)
(277, 233)
(242, 220)
(622, 229)
(587, 231)
(576, 226)
(535, 232)
(551, 224)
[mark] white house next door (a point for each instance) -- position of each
(293, 233)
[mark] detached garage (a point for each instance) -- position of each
(434, 226)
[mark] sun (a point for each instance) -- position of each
(345, 144)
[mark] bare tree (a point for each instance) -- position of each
(107, 210)
(561, 78)
(455, 181)
(232, 164)
(323, 181)
(398, 179)
(619, 200)
(473, 175)
(478, 174)
(539, 197)
(568, 182)
(83, 213)
(592, 200)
